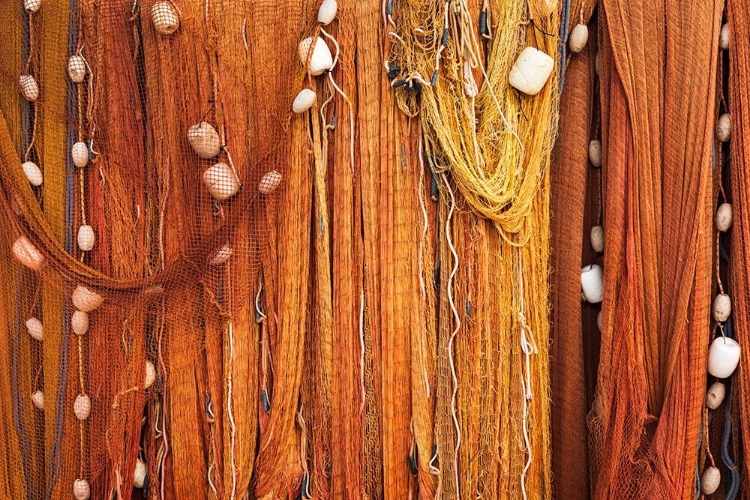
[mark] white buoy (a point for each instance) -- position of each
(82, 407)
(327, 12)
(27, 254)
(221, 181)
(597, 238)
(204, 139)
(29, 87)
(592, 283)
(76, 68)
(221, 256)
(86, 237)
(722, 307)
(724, 128)
(85, 300)
(35, 328)
(81, 489)
(715, 395)
(710, 480)
(531, 71)
(723, 217)
(303, 101)
(724, 37)
(32, 5)
(80, 154)
(165, 17)
(79, 323)
(321, 59)
(33, 173)
(150, 377)
(139, 476)
(723, 357)
(38, 399)
(595, 152)
(578, 37)
(269, 182)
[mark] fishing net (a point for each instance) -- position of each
(647, 425)
(161, 131)
(574, 185)
(491, 182)
(208, 295)
(288, 249)
(733, 455)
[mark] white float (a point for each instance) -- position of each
(85, 300)
(35, 328)
(592, 283)
(723, 217)
(723, 357)
(303, 101)
(165, 17)
(578, 37)
(321, 59)
(33, 173)
(204, 139)
(221, 181)
(531, 71)
(79, 323)
(715, 395)
(29, 87)
(327, 12)
(27, 254)
(76, 68)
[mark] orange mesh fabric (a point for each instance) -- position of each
(207, 295)
(657, 137)
(272, 304)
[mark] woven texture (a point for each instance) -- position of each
(328, 304)
(657, 132)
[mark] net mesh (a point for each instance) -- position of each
(233, 300)
(209, 295)
(657, 115)
(165, 128)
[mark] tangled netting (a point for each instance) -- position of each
(296, 249)
(634, 374)
(218, 286)
(147, 174)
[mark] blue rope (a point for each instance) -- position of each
(72, 105)
(698, 463)
(734, 473)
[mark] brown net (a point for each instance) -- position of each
(571, 222)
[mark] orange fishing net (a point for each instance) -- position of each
(739, 79)
(301, 249)
(161, 130)
(210, 295)
(657, 73)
